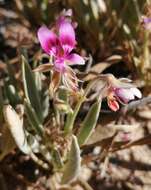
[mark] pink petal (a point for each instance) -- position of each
(66, 35)
(125, 95)
(146, 20)
(113, 104)
(136, 92)
(67, 12)
(59, 65)
(47, 39)
(75, 59)
(65, 16)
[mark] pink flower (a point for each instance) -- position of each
(146, 22)
(59, 42)
(122, 95)
(119, 90)
(60, 45)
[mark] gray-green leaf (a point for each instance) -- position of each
(73, 165)
(32, 117)
(89, 123)
(15, 126)
(30, 89)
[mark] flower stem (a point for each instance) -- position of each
(72, 116)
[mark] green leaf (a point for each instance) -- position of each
(73, 165)
(15, 126)
(12, 94)
(38, 81)
(32, 117)
(45, 102)
(11, 76)
(30, 89)
(43, 93)
(89, 123)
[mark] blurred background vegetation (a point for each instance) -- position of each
(105, 28)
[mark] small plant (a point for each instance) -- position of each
(41, 117)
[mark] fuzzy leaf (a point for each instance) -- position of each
(89, 123)
(45, 102)
(30, 89)
(32, 117)
(38, 80)
(43, 93)
(15, 126)
(73, 165)
(12, 94)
